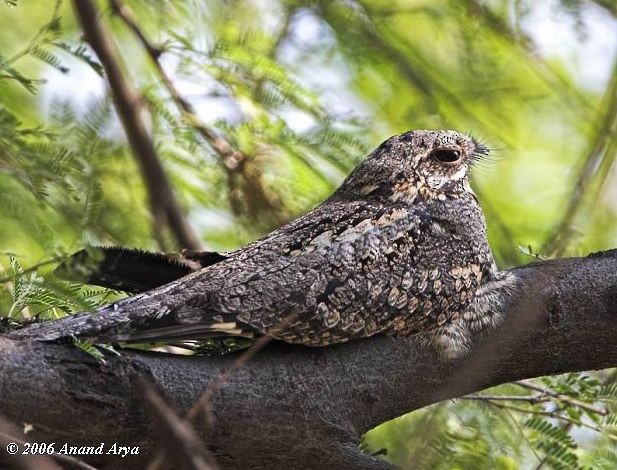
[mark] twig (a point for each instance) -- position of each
(182, 446)
(128, 102)
(533, 399)
(204, 402)
(551, 414)
(203, 405)
(561, 397)
(233, 160)
(565, 426)
(223, 148)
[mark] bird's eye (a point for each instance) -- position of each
(446, 155)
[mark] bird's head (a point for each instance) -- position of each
(432, 163)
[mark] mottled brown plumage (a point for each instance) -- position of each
(400, 248)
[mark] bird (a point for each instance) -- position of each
(399, 249)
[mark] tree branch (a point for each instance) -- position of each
(234, 161)
(561, 397)
(163, 203)
(294, 407)
(231, 156)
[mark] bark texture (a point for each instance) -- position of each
(295, 407)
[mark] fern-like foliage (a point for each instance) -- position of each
(97, 351)
(81, 53)
(44, 297)
(508, 427)
(49, 32)
(553, 442)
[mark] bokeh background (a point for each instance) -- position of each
(304, 90)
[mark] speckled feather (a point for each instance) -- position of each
(400, 248)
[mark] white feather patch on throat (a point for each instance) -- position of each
(437, 181)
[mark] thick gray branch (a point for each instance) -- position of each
(293, 407)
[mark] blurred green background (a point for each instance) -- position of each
(305, 89)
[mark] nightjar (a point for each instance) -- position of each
(400, 249)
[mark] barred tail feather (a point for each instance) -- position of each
(116, 324)
(86, 325)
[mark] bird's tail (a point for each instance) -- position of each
(149, 317)
(103, 324)
(86, 325)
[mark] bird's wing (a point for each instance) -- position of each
(132, 270)
(310, 284)
(193, 307)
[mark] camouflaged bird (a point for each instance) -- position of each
(399, 249)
